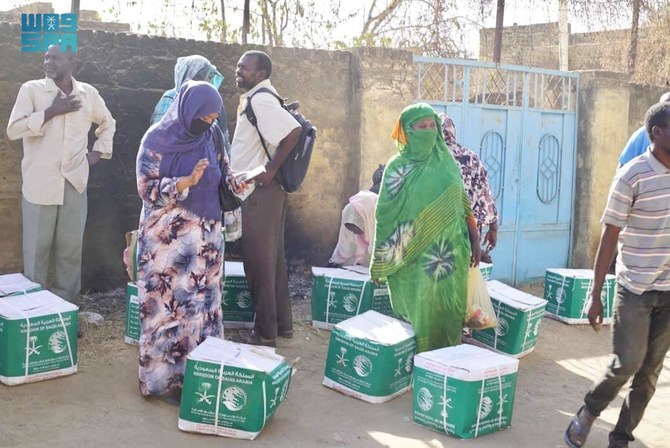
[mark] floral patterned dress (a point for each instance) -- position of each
(179, 276)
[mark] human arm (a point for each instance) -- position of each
(25, 121)
(283, 150)
(473, 234)
(161, 191)
(604, 256)
(105, 131)
(636, 145)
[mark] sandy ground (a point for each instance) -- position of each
(100, 405)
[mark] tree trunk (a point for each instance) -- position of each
(245, 22)
(632, 49)
(563, 35)
(497, 43)
(224, 25)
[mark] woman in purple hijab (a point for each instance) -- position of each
(180, 247)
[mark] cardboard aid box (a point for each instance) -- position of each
(341, 293)
(14, 284)
(370, 357)
(567, 294)
(38, 337)
(232, 389)
(464, 391)
(519, 319)
(236, 304)
(485, 269)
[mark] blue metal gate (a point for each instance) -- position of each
(522, 123)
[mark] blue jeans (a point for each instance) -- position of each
(641, 338)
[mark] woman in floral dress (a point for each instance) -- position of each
(426, 235)
(180, 247)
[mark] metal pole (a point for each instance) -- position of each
(245, 22)
(497, 44)
(74, 7)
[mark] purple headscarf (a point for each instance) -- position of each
(195, 100)
(180, 149)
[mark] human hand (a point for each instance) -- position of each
(194, 178)
(490, 239)
(595, 311)
(475, 255)
(93, 157)
(237, 186)
(63, 105)
(264, 178)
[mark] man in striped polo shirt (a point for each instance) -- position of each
(638, 216)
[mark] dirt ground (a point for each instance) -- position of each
(100, 406)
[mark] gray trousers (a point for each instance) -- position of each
(55, 232)
(641, 338)
(263, 216)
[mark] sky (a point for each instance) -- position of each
(520, 12)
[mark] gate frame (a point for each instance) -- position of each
(525, 106)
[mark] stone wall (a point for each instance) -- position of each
(353, 97)
(610, 109)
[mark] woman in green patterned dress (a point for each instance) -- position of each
(426, 236)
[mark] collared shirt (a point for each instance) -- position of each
(639, 203)
(637, 144)
(55, 151)
(274, 123)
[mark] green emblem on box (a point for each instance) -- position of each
(232, 389)
(567, 293)
(339, 294)
(370, 357)
(464, 391)
(133, 327)
(519, 320)
(485, 269)
(38, 338)
(15, 284)
(237, 304)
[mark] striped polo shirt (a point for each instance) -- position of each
(639, 203)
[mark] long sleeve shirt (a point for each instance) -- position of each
(55, 151)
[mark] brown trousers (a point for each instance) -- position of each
(263, 216)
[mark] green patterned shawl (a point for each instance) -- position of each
(421, 240)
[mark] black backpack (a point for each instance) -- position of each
(292, 172)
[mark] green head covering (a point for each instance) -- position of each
(418, 144)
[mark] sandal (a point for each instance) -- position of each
(578, 430)
(254, 338)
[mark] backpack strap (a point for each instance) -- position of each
(251, 116)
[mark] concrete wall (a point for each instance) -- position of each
(610, 109)
(353, 97)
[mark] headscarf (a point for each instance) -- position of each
(196, 99)
(448, 129)
(417, 145)
(186, 69)
(181, 150)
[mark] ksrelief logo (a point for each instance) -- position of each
(350, 303)
(485, 407)
(234, 398)
(502, 328)
(424, 399)
(409, 363)
(362, 365)
(560, 295)
(244, 300)
(58, 342)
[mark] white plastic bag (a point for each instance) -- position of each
(479, 313)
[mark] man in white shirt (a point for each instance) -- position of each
(264, 201)
(53, 117)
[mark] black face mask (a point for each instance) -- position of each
(199, 127)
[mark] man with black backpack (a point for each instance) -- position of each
(264, 200)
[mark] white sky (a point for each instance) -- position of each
(520, 12)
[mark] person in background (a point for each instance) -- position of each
(53, 117)
(637, 211)
(426, 235)
(357, 229)
(475, 180)
(264, 202)
(180, 245)
(639, 141)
